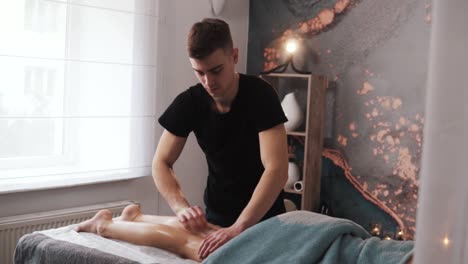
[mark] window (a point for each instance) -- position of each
(77, 91)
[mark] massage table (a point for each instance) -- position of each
(293, 237)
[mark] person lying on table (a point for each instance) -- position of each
(164, 232)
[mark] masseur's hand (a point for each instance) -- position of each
(217, 239)
(193, 218)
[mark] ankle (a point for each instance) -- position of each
(101, 227)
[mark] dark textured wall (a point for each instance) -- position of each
(375, 52)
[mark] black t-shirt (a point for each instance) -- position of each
(229, 140)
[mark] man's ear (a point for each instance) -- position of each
(235, 55)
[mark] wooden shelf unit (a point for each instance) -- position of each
(315, 86)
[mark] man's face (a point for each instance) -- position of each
(216, 72)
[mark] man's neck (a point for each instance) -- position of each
(223, 105)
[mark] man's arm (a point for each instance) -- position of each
(274, 155)
(167, 152)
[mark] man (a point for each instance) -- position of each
(238, 122)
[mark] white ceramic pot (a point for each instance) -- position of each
(292, 111)
(293, 175)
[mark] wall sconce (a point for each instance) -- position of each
(291, 46)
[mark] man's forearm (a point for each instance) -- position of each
(265, 194)
(167, 184)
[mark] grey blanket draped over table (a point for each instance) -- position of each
(306, 237)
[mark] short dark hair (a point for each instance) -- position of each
(207, 36)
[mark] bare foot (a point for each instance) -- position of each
(130, 213)
(95, 224)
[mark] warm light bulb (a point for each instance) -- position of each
(291, 46)
(446, 241)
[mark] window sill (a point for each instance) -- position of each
(69, 180)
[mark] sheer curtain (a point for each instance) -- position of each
(442, 218)
(77, 91)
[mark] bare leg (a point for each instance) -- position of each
(133, 213)
(170, 238)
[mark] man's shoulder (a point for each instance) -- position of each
(252, 80)
(255, 84)
(190, 99)
(193, 92)
(196, 88)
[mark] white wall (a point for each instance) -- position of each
(177, 75)
(141, 190)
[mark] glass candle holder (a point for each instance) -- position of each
(388, 235)
(400, 234)
(375, 229)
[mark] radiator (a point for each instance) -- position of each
(12, 228)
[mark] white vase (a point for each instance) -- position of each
(293, 175)
(289, 205)
(298, 186)
(292, 111)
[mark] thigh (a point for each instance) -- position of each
(170, 238)
(156, 219)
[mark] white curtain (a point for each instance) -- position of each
(77, 91)
(442, 218)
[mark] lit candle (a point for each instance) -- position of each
(388, 235)
(400, 235)
(375, 229)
